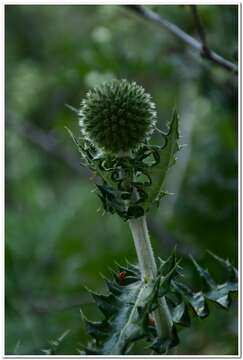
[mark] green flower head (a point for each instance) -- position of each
(117, 116)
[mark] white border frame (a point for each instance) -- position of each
(2, 160)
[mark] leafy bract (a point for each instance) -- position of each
(166, 156)
(130, 184)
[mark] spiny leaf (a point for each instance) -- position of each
(55, 344)
(166, 154)
(98, 330)
(180, 315)
(204, 274)
(129, 323)
(126, 311)
(219, 293)
(232, 271)
(169, 264)
(129, 306)
(83, 150)
(113, 287)
(162, 346)
(196, 300)
(108, 304)
(143, 172)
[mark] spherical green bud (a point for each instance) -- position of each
(117, 116)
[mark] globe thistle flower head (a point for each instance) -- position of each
(117, 116)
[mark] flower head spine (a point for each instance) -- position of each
(117, 116)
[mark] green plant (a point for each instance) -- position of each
(117, 116)
(149, 301)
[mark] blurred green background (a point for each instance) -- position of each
(56, 241)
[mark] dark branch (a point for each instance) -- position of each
(186, 38)
(201, 32)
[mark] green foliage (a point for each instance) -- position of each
(117, 116)
(129, 305)
(126, 316)
(48, 195)
(132, 184)
(126, 309)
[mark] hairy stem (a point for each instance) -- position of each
(148, 267)
(143, 247)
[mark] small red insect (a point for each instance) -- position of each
(151, 321)
(122, 276)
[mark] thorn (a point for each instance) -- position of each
(102, 276)
(160, 131)
(72, 108)
(93, 293)
(217, 257)
(112, 271)
(117, 264)
(83, 317)
(175, 249)
(127, 262)
(64, 334)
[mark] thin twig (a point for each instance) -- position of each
(201, 31)
(186, 38)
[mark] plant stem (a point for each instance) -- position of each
(148, 267)
(143, 247)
